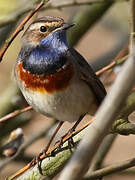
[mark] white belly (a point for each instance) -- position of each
(66, 105)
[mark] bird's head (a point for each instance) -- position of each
(44, 30)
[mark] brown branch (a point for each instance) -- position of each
(121, 56)
(106, 68)
(52, 149)
(102, 152)
(15, 113)
(111, 169)
(20, 28)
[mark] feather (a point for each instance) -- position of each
(87, 75)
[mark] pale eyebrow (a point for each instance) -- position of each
(36, 26)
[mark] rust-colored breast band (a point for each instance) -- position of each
(46, 83)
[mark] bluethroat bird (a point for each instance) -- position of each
(53, 77)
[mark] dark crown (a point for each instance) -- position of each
(48, 19)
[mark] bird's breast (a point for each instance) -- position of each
(46, 83)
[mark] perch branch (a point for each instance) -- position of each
(28, 172)
(49, 152)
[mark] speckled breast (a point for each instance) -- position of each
(46, 83)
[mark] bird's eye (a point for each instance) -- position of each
(43, 29)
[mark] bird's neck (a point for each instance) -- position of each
(56, 41)
(48, 57)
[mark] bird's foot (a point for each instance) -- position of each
(38, 160)
(70, 139)
(71, 142)
(33, 162)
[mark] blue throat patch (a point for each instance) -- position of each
(48, 57)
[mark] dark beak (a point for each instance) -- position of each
(67, 25)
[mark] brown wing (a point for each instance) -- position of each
(88, 75)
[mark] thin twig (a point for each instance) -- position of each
(15, 113)
(101, 153)
(120, 58)
(106, 68)
(20, 28)
(111, 169)
(111, 65)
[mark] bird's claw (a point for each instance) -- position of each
(37, 160)
(71, 142)
(59, 143)
(33, 162)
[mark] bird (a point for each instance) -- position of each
(54, 78)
